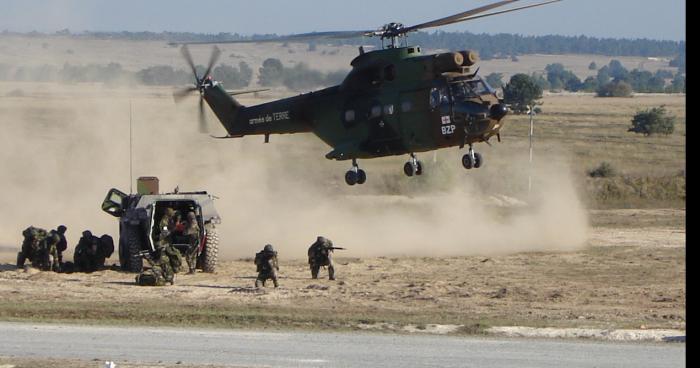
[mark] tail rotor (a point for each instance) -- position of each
(201, 84)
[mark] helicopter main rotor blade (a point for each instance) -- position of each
(507, 10)
(456, 17)
(202, 117)
(188, 57)
(212, 60)
(290, 38)
(182, 93)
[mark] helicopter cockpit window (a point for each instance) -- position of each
(349, 115)
(438, 96)
(388, 109)
(376, 111)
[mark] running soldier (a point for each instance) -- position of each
(267, 266)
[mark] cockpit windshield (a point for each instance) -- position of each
(466, 89)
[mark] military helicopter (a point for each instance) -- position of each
(395, 100)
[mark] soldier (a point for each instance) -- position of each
(168, 225)
(61, 245)
(49, 259)
(192, 232)
(88, 255)
(320, 255)
(160, 272)
(33, 236)
(266, 262)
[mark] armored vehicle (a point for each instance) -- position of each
(139, 216)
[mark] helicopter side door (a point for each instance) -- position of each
(443, 125)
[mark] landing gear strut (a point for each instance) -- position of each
(413, 166)
(472, 159)
(355, 175)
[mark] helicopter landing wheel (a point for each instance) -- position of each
(361, 176)
(467, 161)
(408, 169)
(413, 166)
(478, 160)
(355, 175)
(351, 177)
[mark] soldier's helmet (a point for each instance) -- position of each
(62, 229)
(87, 233)
(268, 248)
(169, 211)
(321, 239)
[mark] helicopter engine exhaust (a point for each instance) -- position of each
(470, 57)
(447, 62)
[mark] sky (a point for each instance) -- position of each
(651, 19)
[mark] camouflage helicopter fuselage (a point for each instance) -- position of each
(394, 101)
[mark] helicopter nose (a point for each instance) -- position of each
(498, 111)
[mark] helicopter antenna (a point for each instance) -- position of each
(131, 171)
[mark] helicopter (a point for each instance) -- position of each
(395, 100)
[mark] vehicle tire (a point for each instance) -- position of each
(210, 253)
(478, 160)
(467, 162)
(408, 169)
(361, 176)
(351, 177)
(133, 247)
(419, 168)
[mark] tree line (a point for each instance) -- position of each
(488, 45)
(272, 73)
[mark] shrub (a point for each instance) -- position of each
(615, 89)
(653, 121)
(604, 170)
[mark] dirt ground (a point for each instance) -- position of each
(634, 279)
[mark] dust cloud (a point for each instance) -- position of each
(64, 147)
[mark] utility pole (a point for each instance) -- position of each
(131, 171)
(531, 112)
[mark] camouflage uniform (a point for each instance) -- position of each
(160, 272)
(89, 255)
(49, 258)
(320, 255)
(62, 244)
(192, 232)
(167, 226)
(39, 249)
(267, 267)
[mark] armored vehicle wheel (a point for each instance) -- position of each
(478, 160)
(467, 161)
(210, 254)
(133, 247)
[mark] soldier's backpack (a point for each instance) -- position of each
(259, 260)
(149, 278)
(107, 245)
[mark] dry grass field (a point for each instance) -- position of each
(472, 248)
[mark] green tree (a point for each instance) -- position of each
(271, 73)
(653, 121)
(521, 91)
(615, 89)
